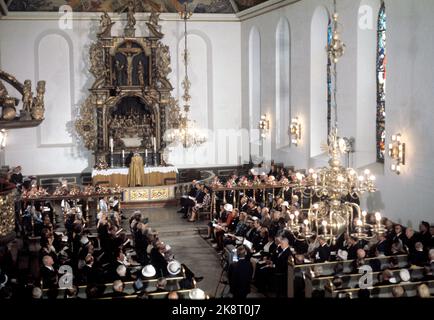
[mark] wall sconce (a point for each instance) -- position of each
(397, 153)
(295, 131)
(3, 136)
(264, 125)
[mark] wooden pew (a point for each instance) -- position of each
(327, 270)
(384, 291)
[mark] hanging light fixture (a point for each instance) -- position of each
(183, 129)
(336, 185)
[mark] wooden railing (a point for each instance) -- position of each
(383, 291)
(311, 283)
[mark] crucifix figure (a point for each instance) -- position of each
(129, 52)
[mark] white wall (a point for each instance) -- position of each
(32, 46)
(410, 79)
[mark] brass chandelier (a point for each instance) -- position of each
(334, 190)
(184, 130)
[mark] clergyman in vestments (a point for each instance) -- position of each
(136, 171)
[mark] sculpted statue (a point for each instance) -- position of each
(141, 73)
(27, 96)
(153, 26)
(38, 102)
(131, 21)
(119, 73)
(105, 26)
(3, 91)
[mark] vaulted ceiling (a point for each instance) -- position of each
(197, 6)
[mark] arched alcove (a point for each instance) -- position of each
(53, 52)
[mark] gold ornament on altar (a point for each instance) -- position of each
(127, 104)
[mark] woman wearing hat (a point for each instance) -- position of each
(204, 204)
(221, 227)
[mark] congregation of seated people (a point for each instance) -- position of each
(256, 229)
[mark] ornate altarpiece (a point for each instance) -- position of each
(128, 99)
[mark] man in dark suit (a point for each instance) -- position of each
(118, 290)
(158, 260)
(17, 177)
(281, 267)
(240, 275)
(322, 253)
(49, 276)
(89, 272)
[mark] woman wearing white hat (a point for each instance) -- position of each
(174, 267)
(197, 294)
(149, 271)
(221, 227)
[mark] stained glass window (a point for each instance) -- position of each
(329, 77)
(381, 84)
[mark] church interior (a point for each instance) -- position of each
(206, 149)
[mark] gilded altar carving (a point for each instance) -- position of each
(159, 194)
(97, 67)
(85, 125)
(126, 107)
(163, 65)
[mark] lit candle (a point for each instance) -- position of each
(364, 213)
(315, 177)
(306, 223)
(324, 224)
(146, 153)
(291, 216)
(111, 144)
(123, 153)
(296, 213)
(378, 218)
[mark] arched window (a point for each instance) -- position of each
(320, 80)
(254, 89)
(283, 87)
(329, 77)
(381, 83)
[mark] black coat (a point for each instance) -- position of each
(90, 275)
(239, 276)
(49, 277)
(281, 261)
(418, 258)
(159, 263)
(322, 253)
